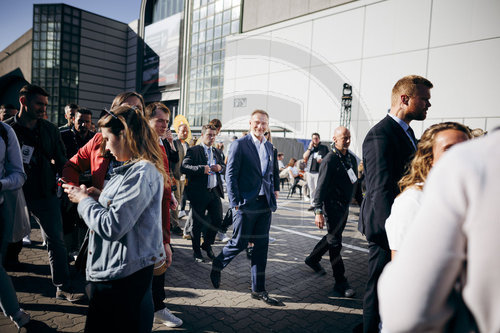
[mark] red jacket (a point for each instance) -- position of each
(89, 158)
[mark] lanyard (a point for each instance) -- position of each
(341, 160)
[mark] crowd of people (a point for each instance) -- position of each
(110, 197)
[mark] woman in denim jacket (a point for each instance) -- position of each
(125, 226)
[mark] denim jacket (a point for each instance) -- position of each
(125, 225)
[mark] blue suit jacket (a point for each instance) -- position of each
(244, 176)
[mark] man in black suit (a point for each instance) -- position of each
(336, 183)
(252, 178)
(387, 150)
(203, 167)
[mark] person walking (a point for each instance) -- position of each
(336, 180)
(387, 150)
(252, 179)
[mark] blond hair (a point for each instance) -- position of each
(408, 86)
(139, 137)
(422, 161)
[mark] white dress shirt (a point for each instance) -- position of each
(261, 149)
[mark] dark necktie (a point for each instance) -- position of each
(412, 136)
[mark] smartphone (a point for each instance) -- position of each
(61, 181)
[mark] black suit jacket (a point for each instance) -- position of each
(387, 151)
(193, 166)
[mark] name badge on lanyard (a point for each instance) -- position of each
(352, 175)
(27, 153)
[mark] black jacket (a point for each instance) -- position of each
(193, 166)
(387, 151)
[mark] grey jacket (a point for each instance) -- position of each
(125, 225)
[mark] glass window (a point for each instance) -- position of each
(210, 22)
(206, 95)
(226, 16)
(76, 21)
(217, 56)
(210, 34)
(67, 19)
(208, 58)
(196, 15)
(43, 27)
(216, 70)
(235, 27)
(208, 70)
(209, 46)
(217, 31)
(210, 9)
(75, 30)
(203, 24)
(196, 4)
(194, 39)
(203, 12)
(236, 2)
(219, 6)
(201, 37)
(215, 81)
(218, 19)
(214, 94)
(195, 27)
(226, 29)
(235, 13)
(227, 4)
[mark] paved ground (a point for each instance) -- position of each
(311, 304)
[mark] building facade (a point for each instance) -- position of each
(80, 57)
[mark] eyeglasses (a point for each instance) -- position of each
(111, 113)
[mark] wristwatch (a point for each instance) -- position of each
(318, 211)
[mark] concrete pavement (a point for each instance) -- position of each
(311, 303)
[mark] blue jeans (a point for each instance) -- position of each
(8, 298)
(48, 211)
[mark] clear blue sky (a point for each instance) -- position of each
(16, 16)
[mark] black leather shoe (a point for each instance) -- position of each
(264, 296)
(316, 266)
(215, 277)
(209, 251)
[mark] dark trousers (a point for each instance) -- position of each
(48, 211)
(379, 257)
(336, 218)
(250, 224)
(158, 290)
(122, 305)
(212, 205)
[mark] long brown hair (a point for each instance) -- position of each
(422, 161)
(139, 137)
(121, 98)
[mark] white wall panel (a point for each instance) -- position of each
(338, 37)
(396, 26)
(457, 21)
(379, 76)
(465, 78)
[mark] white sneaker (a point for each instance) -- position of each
(166, 317)
(21, 318)
(182, 213)
(306, 198)
(26, 240)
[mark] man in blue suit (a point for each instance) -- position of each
(252, 178)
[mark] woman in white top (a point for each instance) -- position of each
(434, 142)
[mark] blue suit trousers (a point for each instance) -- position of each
(251, 223)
